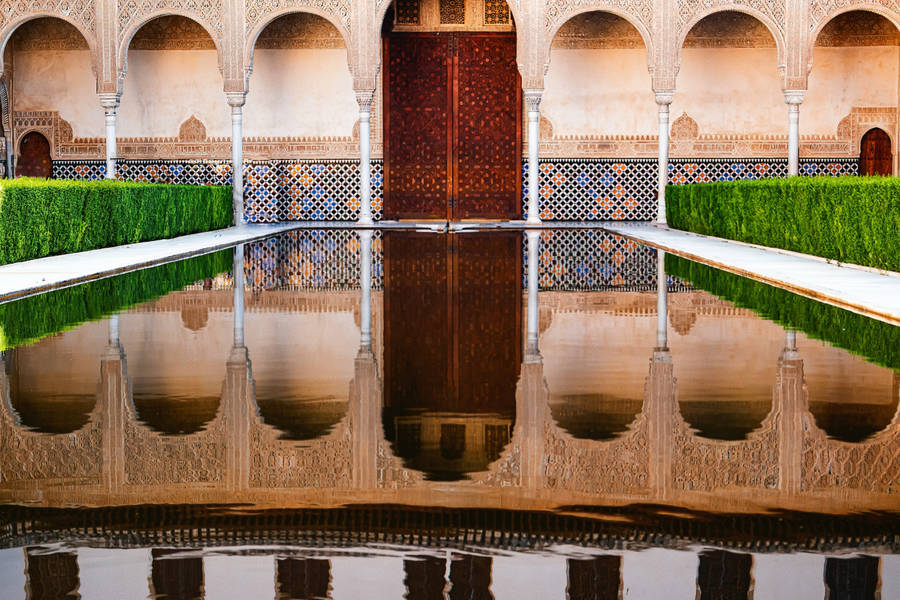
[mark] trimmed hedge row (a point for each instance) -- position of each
(41, 218)
(848, 219)
(30, 319)
(874, 340)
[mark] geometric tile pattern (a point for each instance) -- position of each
(321, 259)
(570, 189)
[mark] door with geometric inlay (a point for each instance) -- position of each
(452, 126)
(875, 157)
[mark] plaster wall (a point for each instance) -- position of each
(163, 89)
(60, 80)
(599, 92)
(303, 92)
(842, 78)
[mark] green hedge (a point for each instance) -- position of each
(40, 217)
(848, 219)
(28, 320)
(875, 340)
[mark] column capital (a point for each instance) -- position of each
(236, 99)
(794, 97)
(109, 101)
(664, 97)
(365, 98)
(533, 99)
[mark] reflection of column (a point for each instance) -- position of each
(659, 401)
(236, 102)
(532, 351)
(365, 284)
(790, 405)
(364, 98)
(237, 393)
(663, 100)
(50, 574)
(662, 308)
(110, 104)
(533, 100)
(793, 98)
(113, 397)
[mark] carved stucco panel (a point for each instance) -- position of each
(821, 11)
(559, 11)
(76, 11)
(689, 9)
(208, 12)
(258, 11)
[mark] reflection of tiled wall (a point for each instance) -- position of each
(570, 189)
(570, 260)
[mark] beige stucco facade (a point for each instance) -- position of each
(600, 74)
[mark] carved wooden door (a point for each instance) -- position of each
(875, 156)
(34, 156)
(452, 126)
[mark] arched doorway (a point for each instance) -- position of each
(875, 157)
(34, 156)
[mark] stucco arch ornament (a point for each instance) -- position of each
(771, 25)
(269, 18)
(555, 19)
(128, 36)
(817, 25)
(10, 28)
(133, 416)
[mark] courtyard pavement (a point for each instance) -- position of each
(861, 290)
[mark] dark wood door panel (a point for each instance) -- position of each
(417, 126)
(489, 128)
(875, 157)
(34, 156)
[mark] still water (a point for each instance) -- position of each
(333, 414)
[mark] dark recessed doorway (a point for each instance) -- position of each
(875, 157)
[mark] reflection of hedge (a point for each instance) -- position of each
(30, 319)
(40, 217)
(873, 339)
(849, 219)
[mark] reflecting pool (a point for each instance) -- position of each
(391, 414)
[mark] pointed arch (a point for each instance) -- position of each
(767, 21)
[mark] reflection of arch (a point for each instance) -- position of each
(301, 418)
(253, 37)
(759, 16)
(636, 24)
(726, 420)
(871, 8)
(125, 43)
(35, 156)
(599, 417)
(855, 422)
(875, 153)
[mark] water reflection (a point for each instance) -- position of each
(446, 408)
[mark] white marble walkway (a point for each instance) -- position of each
(861, 290)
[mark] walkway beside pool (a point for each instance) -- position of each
(861, 290)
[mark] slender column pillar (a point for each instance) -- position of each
(663, 100)
(532, 351)
(365, 284)
(533, 101)
(365, 157)
(114, 331)
(110, 104)
(793, 98)
(238, 279)
(662, 308)
(236, 101)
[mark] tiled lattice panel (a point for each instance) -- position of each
(310, 260)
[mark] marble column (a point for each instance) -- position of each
(663, 100)
(238, 279)
(110, 104)
(237, 393)
(533, 101)
(659, 394)
(793, 98)
(365, 156)
(532, 351)
(236, 102)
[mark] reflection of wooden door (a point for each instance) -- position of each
(34, 156)
(453, 321)
(875, 156)
(452, 126)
